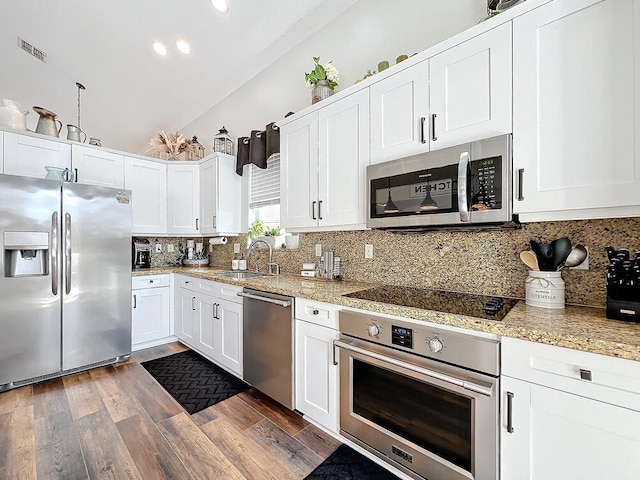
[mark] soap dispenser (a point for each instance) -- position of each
(242, 263)
(235, 263)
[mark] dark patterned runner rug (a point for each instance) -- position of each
(194, 381)
(347, 464)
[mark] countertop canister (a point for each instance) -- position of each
(544, 289)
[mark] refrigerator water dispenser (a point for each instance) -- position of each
(26, 254)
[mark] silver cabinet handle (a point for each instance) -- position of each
(135, 302)
(423, 138)
(433, 127)
(509, 412)
(284, 304)
(466, 384)
(520, 196)
(67, 252)
(55, 265)
(215, 311)
(193, 303)
(463, 205)
(214, 222)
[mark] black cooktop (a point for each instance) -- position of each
(481, 306)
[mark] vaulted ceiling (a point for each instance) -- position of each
(131, 92)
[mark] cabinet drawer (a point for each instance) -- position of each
(319, 313)
(604, 378)
(195, 284)
(150, 281)
(229, 292)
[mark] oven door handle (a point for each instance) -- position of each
(466, 384)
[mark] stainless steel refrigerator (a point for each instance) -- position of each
(65, 278)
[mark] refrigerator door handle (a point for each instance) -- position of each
(67, 252)
(55, 267)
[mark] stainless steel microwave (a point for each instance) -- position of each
(468, 184)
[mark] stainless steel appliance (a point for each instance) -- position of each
(463, 185)
(65, 278)
(268, 344)
(141, 253)
(422, 398)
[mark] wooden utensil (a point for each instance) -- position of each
(529, 259)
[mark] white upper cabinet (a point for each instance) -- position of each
(27, 156)
(470, 90)
(399, 114)
(299, 173)
(147, 181)
(220, 196)
(1, 152)
(93, 166)
(576, 104)
(183, 204)
(342, 161)
(324, 155)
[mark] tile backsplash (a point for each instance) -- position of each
(475, 262)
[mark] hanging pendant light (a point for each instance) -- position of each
(428, 203)
(390, 207)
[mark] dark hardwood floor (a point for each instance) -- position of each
(117, 422)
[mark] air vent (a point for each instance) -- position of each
(31, 50)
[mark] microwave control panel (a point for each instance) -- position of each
(486, 181)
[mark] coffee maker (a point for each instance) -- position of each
(141, 253)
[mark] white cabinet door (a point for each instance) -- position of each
(576, 105)
(220, 196)
(470, 89)
(560, 435)
(94, 166)
(183, 199)
(299, 173)
(343, 158)
(229, 321)
(208, 196)
(207, 341)
(316, 378)
(399, 114)
(27, 156)
(185, 317)
(2, 152)
(150, 319)
(147, 181)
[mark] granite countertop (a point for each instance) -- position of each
(579, 328)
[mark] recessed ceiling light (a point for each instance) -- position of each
(160, 48)
(183, 46)
(221, 5)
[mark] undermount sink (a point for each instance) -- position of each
(243, 275)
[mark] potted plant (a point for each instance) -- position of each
(322, 80)
(271, 236)
(256, 229)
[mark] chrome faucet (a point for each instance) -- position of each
(271, 262)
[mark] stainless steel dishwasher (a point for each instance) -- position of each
(268, 344)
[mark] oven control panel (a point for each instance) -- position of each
(402, 336)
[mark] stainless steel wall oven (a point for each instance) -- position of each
(422, 398)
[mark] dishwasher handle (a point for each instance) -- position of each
(265, 299)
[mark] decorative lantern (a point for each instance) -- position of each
(222, 142)
(197, 148)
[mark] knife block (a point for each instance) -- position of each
(623, 286)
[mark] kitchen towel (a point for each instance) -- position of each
(243, 154)
(218, 241)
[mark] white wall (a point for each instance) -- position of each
(368, 32)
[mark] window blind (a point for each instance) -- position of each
(265, 183)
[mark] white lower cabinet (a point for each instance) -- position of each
(208, 318)
(150, 311)
(556, 424)
(316, 376)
